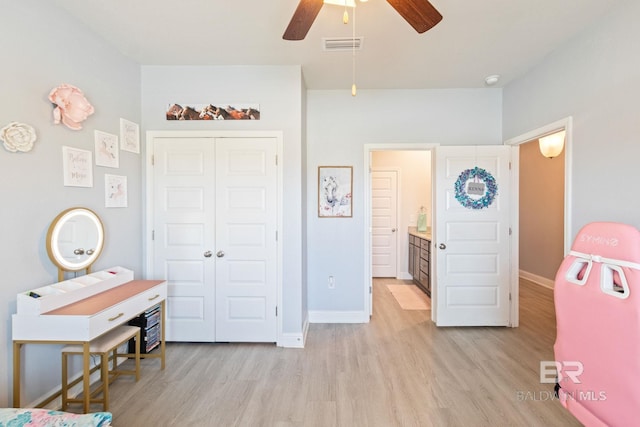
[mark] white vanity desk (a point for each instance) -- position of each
(79, 310)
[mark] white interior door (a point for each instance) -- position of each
(472, 246)
(183, 218)
(246, 227)
(384, 213)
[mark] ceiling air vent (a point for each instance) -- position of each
(337, 44)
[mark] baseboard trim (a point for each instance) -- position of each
(538, 280)
(295, 340)
(338, 317)
(292, 340)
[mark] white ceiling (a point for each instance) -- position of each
(476, 38)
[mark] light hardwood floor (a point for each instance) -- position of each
(398, 370)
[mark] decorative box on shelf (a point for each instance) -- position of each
(50, 297)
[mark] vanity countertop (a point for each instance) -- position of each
(422, 234)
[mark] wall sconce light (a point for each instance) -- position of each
(551, 145)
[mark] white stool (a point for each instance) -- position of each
(103, 346)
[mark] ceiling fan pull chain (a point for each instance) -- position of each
(353, 54)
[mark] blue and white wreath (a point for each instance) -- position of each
(491, 188)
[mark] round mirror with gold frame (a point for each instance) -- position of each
(75, 240)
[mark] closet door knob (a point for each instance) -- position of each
(208, 254)
(393, 230)
(442, 246)
(219, 254)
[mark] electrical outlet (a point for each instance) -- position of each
(331, 283)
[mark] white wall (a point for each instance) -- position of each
(594, 79)
(338, 128)
(278, 90)
(42, 47)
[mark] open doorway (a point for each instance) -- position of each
(541, 210)
(391, 211)
(541, 222)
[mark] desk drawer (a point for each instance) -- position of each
(126, 310)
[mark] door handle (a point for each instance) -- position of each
(208, 254)
(442, 246)
(219, 254)
(393, 230)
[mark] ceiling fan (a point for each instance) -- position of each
(420, 14)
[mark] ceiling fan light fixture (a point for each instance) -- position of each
(420, 14)
(345, 3)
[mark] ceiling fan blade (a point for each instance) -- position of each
(420, 14)
(302, 19)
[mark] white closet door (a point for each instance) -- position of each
(384, 218)
(246, 245)
(183, 215)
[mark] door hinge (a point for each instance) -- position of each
(153, 160)
(276, 160)
(509, 231)
(370, 289)
(509, 165)
(276, 235)
(509, 296)
(276, 311)
(153, 234)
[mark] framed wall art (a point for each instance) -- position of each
(77, 167)
(213, 112)
(335, 186)
(115, 191)
(129, 136)
(107, 153)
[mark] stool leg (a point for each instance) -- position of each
(137, 355)
(104, 373)
(64, 382)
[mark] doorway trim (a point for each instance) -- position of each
(368, 149)
(282, 339)
(566, 124)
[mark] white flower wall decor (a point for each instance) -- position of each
(18, 137)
